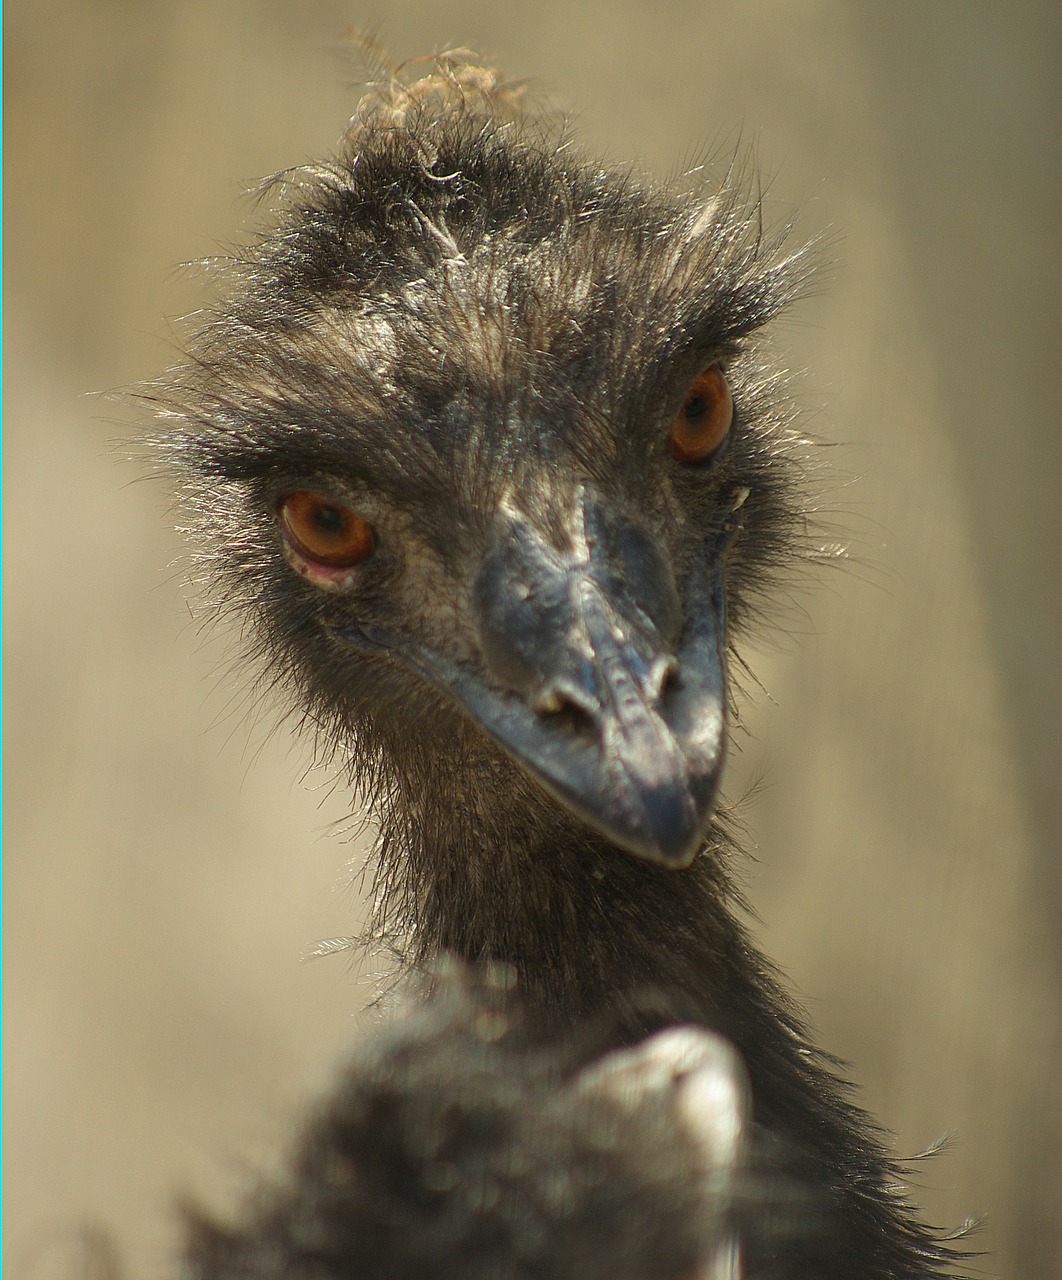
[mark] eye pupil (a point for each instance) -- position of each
(330, 520)
(695, 409)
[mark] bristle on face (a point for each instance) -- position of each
(481, 445)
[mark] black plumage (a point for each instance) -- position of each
(453, 1146)
(472, 345)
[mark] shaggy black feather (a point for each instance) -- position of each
(452, 1148)
(456, 309)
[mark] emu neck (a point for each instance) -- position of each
(491, 870)
(604, 942)
(477, 861)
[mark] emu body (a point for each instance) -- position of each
(478, 343)
(452, 1147)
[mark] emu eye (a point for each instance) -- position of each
(323, 535)
(702, 424)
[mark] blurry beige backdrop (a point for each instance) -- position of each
(167, 870)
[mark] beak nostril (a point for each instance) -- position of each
(547, 702)
(565, 702)
(664, 677)
(564, 706)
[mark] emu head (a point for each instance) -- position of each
(480, 440)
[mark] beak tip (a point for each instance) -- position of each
(670, 828)
(675, 851)
(671, 859)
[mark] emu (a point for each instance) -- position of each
(479, 445)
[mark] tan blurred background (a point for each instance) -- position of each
(166, 869)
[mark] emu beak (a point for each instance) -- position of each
(596, 678)
(613, 691)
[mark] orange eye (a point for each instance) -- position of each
(325, 532)
(702, 424)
